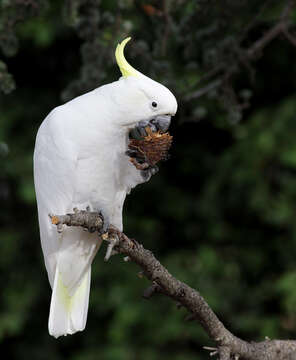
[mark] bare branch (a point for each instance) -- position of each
(228, 345)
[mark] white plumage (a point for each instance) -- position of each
(80, 161)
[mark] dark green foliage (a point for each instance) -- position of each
(220, 214)
(13, 12)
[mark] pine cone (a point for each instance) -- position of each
(153, 148)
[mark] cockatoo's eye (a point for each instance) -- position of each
(154, 104)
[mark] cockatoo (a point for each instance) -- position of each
(81, 160)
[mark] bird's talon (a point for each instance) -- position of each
(139, 166)
(131, 153)
(113, 241)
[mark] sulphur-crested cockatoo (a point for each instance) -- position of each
(81, 160)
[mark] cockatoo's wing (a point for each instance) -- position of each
(52, 168)
(68, 255)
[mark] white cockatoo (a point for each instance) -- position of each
(81, 160)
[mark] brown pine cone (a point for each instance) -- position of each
(152, 148)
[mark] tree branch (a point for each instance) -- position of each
(228, 345)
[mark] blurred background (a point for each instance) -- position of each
(220, 214)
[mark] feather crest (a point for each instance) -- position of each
(125, 68)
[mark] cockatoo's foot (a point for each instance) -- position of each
(106, 222)
(112, 237)
(159, 123)
(103, 216)
(139, 131)
(147, 173)
(139, 164)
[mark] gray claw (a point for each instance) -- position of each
(106, 222)
(160, 122)
(143, 123)
(154, 169)
(105, 226)
(135, 134)
(139, 131)
(153, 127)
(147, 173)
(131, 153)
(142, 131)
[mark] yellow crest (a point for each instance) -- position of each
(125, 68)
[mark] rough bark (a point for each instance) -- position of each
(228, 345)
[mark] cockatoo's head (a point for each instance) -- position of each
(143, 101)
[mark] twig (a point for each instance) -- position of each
(204, 90)
(228, 344)
(258, 46)
(252, 53)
